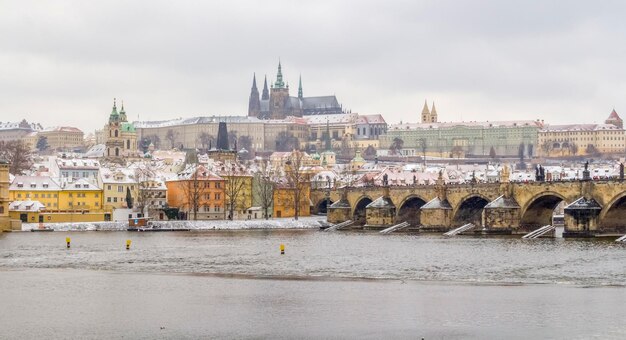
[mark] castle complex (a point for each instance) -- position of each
(276, 103)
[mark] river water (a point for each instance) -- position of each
(236, 284)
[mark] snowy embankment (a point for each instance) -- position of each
(276, 223)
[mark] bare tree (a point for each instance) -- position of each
(193, 189)
(170, 135)
(205, 140)
(264, 188)
(235, 188)
(370, 151)
(297, 180)
(285, 141)
(144, 174)
(18, 154)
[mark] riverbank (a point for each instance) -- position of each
(306, 222)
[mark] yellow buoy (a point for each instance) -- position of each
(67, 241)
(282, 249)
(128, 244)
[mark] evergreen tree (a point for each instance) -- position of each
(129, 198)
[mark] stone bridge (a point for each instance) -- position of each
(592, 207)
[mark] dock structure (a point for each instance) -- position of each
(339, 226)
(539, 232)
(461, 229)
(395, 228)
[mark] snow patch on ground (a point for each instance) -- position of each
(277, 223)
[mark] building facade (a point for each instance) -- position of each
(580, 140)
(459, 139)
(198, 187)
(63, 138)
(15, 131)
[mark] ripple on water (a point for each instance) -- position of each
(333, 255)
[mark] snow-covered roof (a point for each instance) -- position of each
(26, 206)
(34, 183)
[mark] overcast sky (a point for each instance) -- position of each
(62, 62)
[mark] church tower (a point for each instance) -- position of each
(433, 114)
(266, 92)
(425, 114)
(114, 143)
(254, 104)
(279, 96)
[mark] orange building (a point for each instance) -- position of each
(284, 197)
(198, 193)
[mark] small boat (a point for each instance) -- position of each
(42, 229)
(144, 224)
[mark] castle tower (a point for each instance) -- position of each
(222, 137)
(425, 113)
(615, 119)
(433, 114)
(279, 96)
(254, 104)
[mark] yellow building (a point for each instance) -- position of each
(41, 199)
(115, 185)
(580, 139)
(239, 184)
(284, 197)
(35, 212)
(5, 220)
(80, 195)
(36, 188)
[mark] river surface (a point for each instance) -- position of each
(236, 284)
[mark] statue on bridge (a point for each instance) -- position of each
(540, 175)
(385, 180)
(621, 171)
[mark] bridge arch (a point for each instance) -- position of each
(469, 210)
(538, 211)
(613, 216)
(409, 210)
(358, 214)
(322, 206)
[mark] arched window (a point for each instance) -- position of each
(128, 144)
(115, 133)
(117, 152)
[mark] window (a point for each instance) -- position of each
(217, 196)
(114, 199)
(96, 195)
(108, 187)
(108, 199)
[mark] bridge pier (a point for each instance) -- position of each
(339, 212)
(582, 218)
(501, 216)
(381, 213)
(436, 215)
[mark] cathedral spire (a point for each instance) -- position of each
(425, 109)
(254, 82)
(300, 87)
(254, 104)
(279, 77)
(433, 111)
(266, 93)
